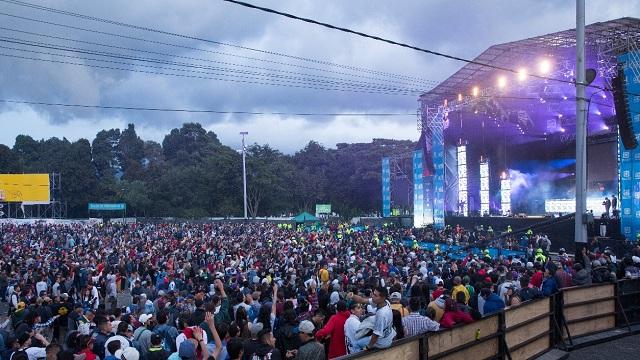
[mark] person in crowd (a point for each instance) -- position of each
(453, 315)
(309, 349)
(334, 329)
(351, 327)
(414, 323)
(492, 302)
(383, 331)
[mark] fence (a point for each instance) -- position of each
(527, 330)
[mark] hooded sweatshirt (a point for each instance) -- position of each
(335, 328)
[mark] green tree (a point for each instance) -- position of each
(269, 176)
(9, 161)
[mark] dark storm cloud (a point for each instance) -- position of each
(460, 28)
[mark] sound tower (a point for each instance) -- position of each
(623, 114)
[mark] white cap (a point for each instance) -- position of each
(129, 353)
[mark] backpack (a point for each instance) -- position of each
(136, 341)
(168, 342)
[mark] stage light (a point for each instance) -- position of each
(559, 116)
(605, 127)
(502, 82)
(604, 96)
(459, 97)
(597, 112)
(562, 130)
(564, 98)
(475, 91)
(522, 74)
(544, 66)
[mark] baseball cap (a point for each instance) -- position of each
(144, 318)
(395, 296)
(306, 327)
(129, 353)
(255, 328)
(187, 350)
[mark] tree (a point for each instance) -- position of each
(9, 161)
(106, 157)
(131, 153)
(269, 175)
(311, 166)
(189, 143)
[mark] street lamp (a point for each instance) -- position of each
(244, 174)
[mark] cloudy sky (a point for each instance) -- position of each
(251, 61)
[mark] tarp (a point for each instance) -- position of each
(304, 217)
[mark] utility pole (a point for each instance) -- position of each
(244, 173)
(581, 129)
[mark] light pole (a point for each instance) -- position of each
(581, 128)
(244, 173)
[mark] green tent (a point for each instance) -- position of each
(305, 217)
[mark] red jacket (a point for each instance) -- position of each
(536, 279)
(451, 318)
(335, 328)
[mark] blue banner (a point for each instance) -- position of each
(418, 189)
(438, 178)
(386, 188)
(107, 207)
(629, 160)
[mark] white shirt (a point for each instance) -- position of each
(124, 343)
(350, 328)
(94, 295)
(36, 353)
(40, 287)
(383, 326)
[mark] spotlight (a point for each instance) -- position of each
(522, 74)
(459, 97)
(502, 82)
(564, 98)
(604, 96)
(544, 66)
(562, 130)
(597, 112)
(559, 116)
(475, 91)
(605, 127)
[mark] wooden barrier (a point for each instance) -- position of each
(408, 348)
(523, 332)
(589, 309)
(528, 328)
(479, 339)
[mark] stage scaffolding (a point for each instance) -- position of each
(604, 41)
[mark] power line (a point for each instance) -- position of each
(218, 70)
(182, 75)
(427, 82)
(168, 33)
(188, 57)
(392, 42)
(206, 111)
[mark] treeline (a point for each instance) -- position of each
(191, 174)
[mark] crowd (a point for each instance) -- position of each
(260, 291)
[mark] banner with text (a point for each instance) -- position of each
(629, 160)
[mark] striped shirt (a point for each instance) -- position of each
(415, 324)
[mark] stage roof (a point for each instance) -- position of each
(533, 108)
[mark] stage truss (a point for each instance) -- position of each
(606, 40)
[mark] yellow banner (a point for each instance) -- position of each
(25, 188)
